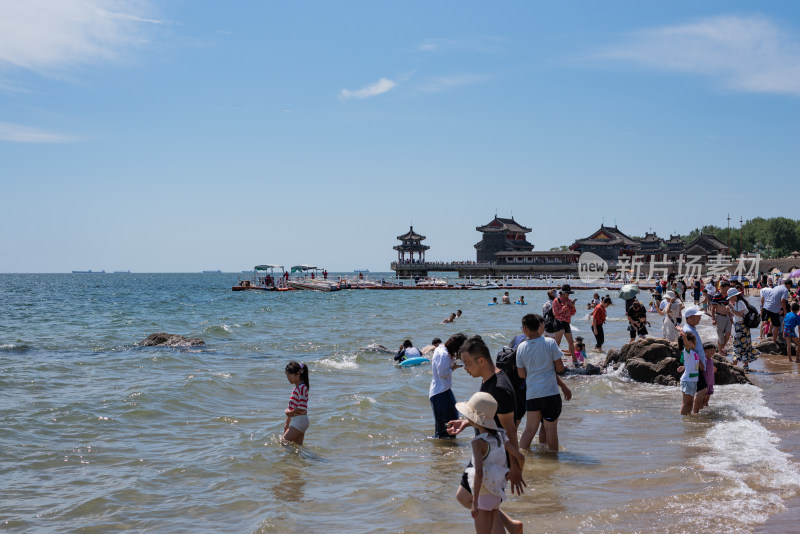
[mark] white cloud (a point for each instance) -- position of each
(444, 83)
(749, 54)
(484, 45)
(383, 85)
(47, 36)
(17, 133)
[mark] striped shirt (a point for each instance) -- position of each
(299, 398)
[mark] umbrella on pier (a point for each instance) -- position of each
(628, 291)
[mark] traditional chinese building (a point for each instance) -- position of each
(609, 243)
(705, 246)
(674, 246)
(650, 245)
(411, 243)
(501, 235)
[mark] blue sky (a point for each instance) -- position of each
(182, 135)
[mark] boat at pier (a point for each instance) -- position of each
(267, 277)
(315, 283)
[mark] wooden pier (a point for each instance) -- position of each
(467, 269)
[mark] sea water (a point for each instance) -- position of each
(102, 435)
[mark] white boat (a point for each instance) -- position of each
(490, 285)
(268, 277)
(432, 282)
(315, 283)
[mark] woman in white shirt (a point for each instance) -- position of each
(670, 310)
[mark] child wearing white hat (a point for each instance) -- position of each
(487, 476)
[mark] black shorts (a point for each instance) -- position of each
(773, 317)
(701, 382)
(641, 330)
(549, 406)
(562, 325)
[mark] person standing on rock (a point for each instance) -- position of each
(670, 310)
(773, 302)
(720, 316)
(743, 350)
(705, 388)
(637, 320)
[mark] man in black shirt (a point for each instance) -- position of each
(478, 363)
(637, 320)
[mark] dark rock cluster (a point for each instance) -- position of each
(656, 361)
(170, 340)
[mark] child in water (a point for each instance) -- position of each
(297, 413)
(487, 476)
(580, 351)
(691, 369)
(652, 308)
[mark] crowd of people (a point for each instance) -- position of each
(523, 382)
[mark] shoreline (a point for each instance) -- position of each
(781, 396)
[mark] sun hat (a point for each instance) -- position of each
(734, 293)
(670, 294)
(566, 289)
(691, 310)
(479, 409)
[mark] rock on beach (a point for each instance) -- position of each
(656, 361)
(768, 346)
(162, 339)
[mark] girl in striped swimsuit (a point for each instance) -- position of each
(296, 414)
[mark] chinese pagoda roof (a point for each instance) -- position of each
(707, 243)
(651, 238)
(606, 236)
(674, 240)
(499, 224)
(411, 235)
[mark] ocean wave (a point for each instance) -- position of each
(340, 361)
(14, 347)
(219, 329)
(745, 451)
(745, 400)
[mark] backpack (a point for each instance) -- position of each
(506, 361)
(751, 318)
(549, 318)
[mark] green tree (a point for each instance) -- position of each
(772, 238)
